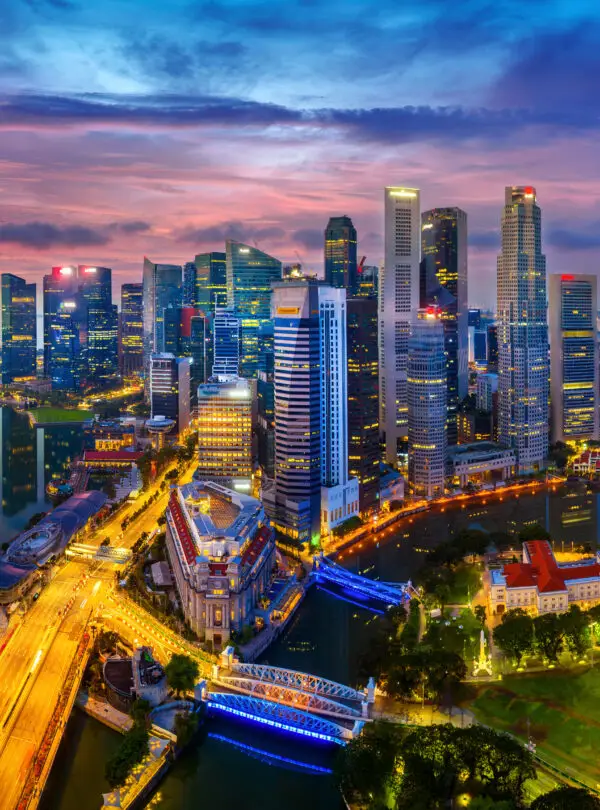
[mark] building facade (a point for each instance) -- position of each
(222, 551)
(188, 297)
(226, 343)
(574, 389)
(162, 284)
(250, 273)
(170, 389)
(363, 400)
(62, 352)
(427, 392)
(98, 315)
(18, 329)
(265, 395)
(131, 332)
(523, 331)
(211, 281)
(443, 284)
(398, 301)
(340, 254)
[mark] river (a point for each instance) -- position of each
(326, 637)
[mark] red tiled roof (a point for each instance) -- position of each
(183, 532)
(112, 455)
(256, 546)
(543, 572)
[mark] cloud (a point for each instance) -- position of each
(44, 235)
(484, 239)
(239, 231)
(562, 238)
(135, 226)
(310, 238)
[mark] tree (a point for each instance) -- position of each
(576, 630)
(514, 635)
(480, 614)
(185, 726)
(442, 595)
(133, 749)
(182, 673)
(140, 710)
(566, 798)
(533, 532)
(443, 671)
(365, 769)
(432, 767)
(549, 634)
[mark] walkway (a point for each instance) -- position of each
(104, 712)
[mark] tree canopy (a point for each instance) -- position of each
(182, 673)
(566, 798)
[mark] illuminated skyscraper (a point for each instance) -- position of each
(225, 433)
(98, 318)
(522, 331)
(249, 276)
(444, 285)
(211, 281)
(62, 350)
(132, 330)
(265, 395)
(162, 291)
(398, 301)
(226, 343)
(189, 284)
(427, 411)
(18, 330)
(170, 389)
(574, 389)
(340, 254)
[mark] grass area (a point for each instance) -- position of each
(46, 415)
(466, 581)
(459, 634)
(563, 709)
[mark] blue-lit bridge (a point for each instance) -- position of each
(325, 570)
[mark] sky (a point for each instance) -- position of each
(139, 127)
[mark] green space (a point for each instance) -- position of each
(563, 710)
(464, 584)
(47, 415)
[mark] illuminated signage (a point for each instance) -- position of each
(90, 270)
(288, 310)
(66, 271)
(403, 192)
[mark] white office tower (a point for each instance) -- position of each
(573, 356)
(522, 331)
(398, 301)
(226, 343)
(427, 404)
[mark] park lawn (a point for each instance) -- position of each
(466, 581)
(563, 709)
(47, 415)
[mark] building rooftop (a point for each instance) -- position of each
(217, 511)
(112, 455)
(540, 569)
(476, 447)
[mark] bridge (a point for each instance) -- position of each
(390, 593)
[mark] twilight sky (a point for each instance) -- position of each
(132, 127)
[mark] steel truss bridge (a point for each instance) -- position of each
(303, 681)
(283, 717)
(390, 593)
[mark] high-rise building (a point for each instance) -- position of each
(367, 280)
(522, 331)
(132, 330)
(340, 254)
(492, 347)
(226, 343)
(312, 492)
(98, 316)
(265, 395)
(211, 281)
(63, 361)
(574, 385)
(487, 390)
(162, 291)
(474, 318)
(427, 392)
(170, 389)
(398, 301)
(249, 276)
(363, 400)
(18, 329)
(225, 432)
(189, 285)
(194, 342)
(444, 285)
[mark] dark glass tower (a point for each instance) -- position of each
(249, 276)
(265, 427)
(132, 330)
(98, 324)
(211, 281)
(340, 254)
(363, 400)
(62, 350)
(18, 329)
(443, 283)
(189, 284)
(162, 291)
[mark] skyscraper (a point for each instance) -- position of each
(226, 343)
(363, 400)
(189, 285)
(444, 285)
(162, 291)
(249, 276)
(427, 392)
(194, 342)
(211, 281)
(265, 395)
(18, 330)
(522, 331)
(98, 324)
(574, 384)
(63, 361)
(340, 254)
(398, 300)
(312, 492)
(132, 330)
(492, 347)
(170, 389)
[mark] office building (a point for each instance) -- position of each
(492, 347)
(18, 329)
(225, 432)
(98, 316)
(222, 553)
(367, 280)
(487, 391)
(189, 285)
(398, 301)
(249, 276)
(444, 285)
(170, 389)
(427, 391)
(340, 254)
(211, 281)
(62, 351)
(265, 394)
(312, 492)
(162, 291)
(363, 400)
(480, 348)
(131, 333)
(522, 331)
(194, 342)
(574, 390)
(226, 343)
(474, 318)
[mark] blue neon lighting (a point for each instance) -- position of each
(268, 755)
(304, 732)
(362, 605)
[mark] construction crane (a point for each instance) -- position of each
(361, 263)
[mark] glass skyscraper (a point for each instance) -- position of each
(18, 314)
(250, 273)
(132, 330)
(340, 254)
(211, 281)
(189, 284)
(443, 284)
(62, 351)
(98, 315)
(162, 290)
(265, 394)
(226, 343)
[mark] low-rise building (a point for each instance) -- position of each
(588, 463)
(480, 461)
(138, 677)
(222, 551)
(540, 584)
(391, 487)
